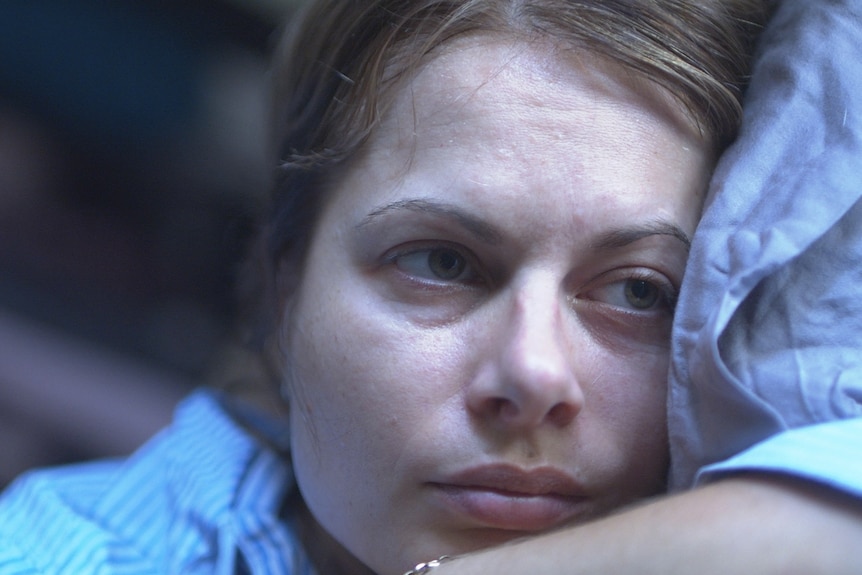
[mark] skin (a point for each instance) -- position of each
(478, 344)
(748, 523)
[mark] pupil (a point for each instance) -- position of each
(446, 264)
(642, 294)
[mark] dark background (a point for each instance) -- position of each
(132, 161)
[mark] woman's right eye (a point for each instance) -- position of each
(443, 264)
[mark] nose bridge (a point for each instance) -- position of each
(533, 380)
(534, 353)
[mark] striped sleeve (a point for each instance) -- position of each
(44, 530)
(203, 497)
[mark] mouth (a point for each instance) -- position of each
(513, 499)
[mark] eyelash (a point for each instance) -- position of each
(666, 297)
(399, 259)
(667, 292)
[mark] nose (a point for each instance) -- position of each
(529, 378)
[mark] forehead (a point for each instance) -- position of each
(515, 76)
(518, 117)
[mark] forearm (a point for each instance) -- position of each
(742, 525)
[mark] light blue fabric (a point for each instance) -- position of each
(202, 497)
(768, 339)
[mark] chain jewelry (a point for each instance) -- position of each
(424, 568)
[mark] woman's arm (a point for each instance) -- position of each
(756, 524)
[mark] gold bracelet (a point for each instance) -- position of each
(424, 568)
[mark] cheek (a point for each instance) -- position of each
(339, 421)
(364, 388)
(326, 372)
(628, 406)
(359, 378)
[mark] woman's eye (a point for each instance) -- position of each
(634, 294)
(642, 294)
(439, 264)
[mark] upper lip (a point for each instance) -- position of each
(516, 480)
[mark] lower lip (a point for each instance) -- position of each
(508, 510)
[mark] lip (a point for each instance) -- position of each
(512, 498)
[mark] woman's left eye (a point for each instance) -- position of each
(442, 264)
(633, 293)
(642, 294)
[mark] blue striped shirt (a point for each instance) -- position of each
(202, 497)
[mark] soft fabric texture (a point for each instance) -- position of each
(203, 496)
(768, 336)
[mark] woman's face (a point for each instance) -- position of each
(478, 346)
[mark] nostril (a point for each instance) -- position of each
(562, 414)
(513, 413)
(506, 409)
(498, 407)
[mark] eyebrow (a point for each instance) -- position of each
(607, 241)
(479, 228)
(629, 235)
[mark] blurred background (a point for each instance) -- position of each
(132, 160)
